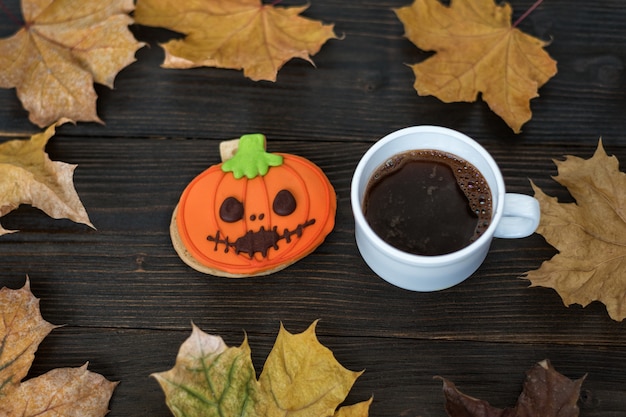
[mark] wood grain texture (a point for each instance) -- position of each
(127, 301)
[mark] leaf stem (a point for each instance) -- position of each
(527, 12)
(11, 16)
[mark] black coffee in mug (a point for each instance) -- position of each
(427, 202)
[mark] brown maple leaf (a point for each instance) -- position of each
(546, 393)
(64, 391)
(28, 176)
(243, 34)
(589, 234)
(477, 51)
(62, 49)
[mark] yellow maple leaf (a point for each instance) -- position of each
(28, 176)
(62, 49)
(301, 377)
(63, 391)
(242, 34)
(477, 51)
(589, 234)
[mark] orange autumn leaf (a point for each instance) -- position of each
(589, 234)
(62, 49)
(477, 51)
(242, 34)
(28, 176)
(63, 391)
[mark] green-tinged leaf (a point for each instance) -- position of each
(210, 379)
(301, 378)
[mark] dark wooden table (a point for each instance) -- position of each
(127, 301)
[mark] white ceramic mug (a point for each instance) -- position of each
(513, 215)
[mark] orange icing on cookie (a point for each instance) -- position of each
(257, 211)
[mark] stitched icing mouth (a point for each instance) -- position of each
(258, 242)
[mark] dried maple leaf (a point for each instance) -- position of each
(64, 391)
(62, 49)
(546, 393)
(28, 176)
(477, 51)
(242, 34)
(300, 378)
(589, 234)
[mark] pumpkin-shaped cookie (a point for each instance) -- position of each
(253, 214)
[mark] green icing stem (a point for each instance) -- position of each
(251, 159)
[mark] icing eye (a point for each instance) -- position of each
(284, 203)
(231, 210)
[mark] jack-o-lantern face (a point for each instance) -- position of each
(262, 240)
(241, 222)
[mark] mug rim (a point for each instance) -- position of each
(427, 260)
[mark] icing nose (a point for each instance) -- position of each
(254, 217)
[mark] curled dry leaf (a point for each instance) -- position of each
(546, 393)
(301, 377)
(589, 234)
(28, 176)
(62, 49)
(477, 51)
(64, 391)
(243, 34)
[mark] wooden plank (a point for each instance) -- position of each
(403, 386)
(361, 87)
(124, 273)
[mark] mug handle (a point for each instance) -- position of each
(520, 216)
